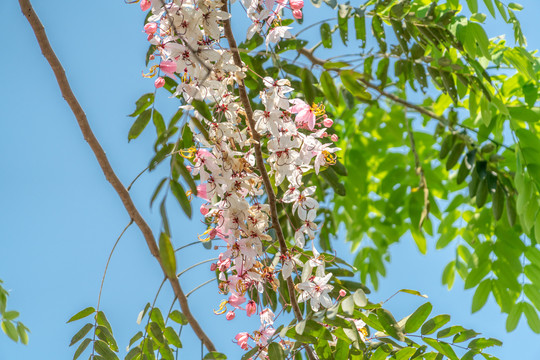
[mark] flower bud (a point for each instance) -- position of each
(297, 14)
(213, 267)
(334, 137)
(145, 5)
(150, 28)
(230, 315)
(251, 308)
(328, 122)
(159, 82)
(151, 57)
(296, 4)
(342, 293)
(204, 210)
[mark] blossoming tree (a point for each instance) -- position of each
(272, 148)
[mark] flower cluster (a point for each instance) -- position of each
(291, 133)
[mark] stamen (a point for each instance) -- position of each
(152, 72)
(318, 109)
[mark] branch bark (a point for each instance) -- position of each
(67, 94)
(262, 170)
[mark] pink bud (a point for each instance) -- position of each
(213, 267)
(168, 67)
(159, 82)
(212, 234)
(230, 315)
(150, 28)
(297, 14)
(334, 137)
(296, 4)
(324, 134)
(342, 293)
(151, 57)
(251, 308)
(189, 168)
(327, 123)
(242, 339)
(204, 210)
(145, 5)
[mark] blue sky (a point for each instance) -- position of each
(60, 217)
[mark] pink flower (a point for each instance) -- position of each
(305, 115)
(296, 4)
(237, 300)
(334, 137)
(145, 5)
(328, 122)
(242, 339)
(251, 308)
(297, 14)
(230, 315)
(159, 82)
(202, 192)
(342, 293)
(168, 67)
(224, 265)
(150, 28)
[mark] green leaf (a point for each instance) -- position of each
(172, 337)
(275, 351)
(443, 347)
(9, 329)
(473, 5)
(360, 26)
(135, 337)
(102, 320)
(481, 295)
(307, 86)
(513, 317)
(449, 331)
(482, 343)
(82, 314)
(489, 5)
(167, 256)
(178, 317)
(103, 349)
(343, 22)
(81, 348)
(390, 325)
(417, 318)
(329, 89)
(143, 103)
(159, 123)
(23, 333)
(515, 6)
(202, 108)
(413, 292)
(80, 334)
(434, 323)
(464, 336)
(180, 195)
(214, 355)
(532, 317)
(133, 353)
(11, 315)
(349, 80)
(139, 124)
(326, 35)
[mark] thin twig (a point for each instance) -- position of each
(420, 173)
(110, 175)
(308, 53)
(103, 281)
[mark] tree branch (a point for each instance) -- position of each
(109, 173)
(420, 109)
(260, 166)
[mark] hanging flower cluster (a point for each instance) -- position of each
(291, 133)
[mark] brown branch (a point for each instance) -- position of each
(260, 166)
(109, 173)
(420, 109)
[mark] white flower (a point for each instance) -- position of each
(316, 290)
(278, 33)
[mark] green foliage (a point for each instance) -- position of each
(9, 323)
